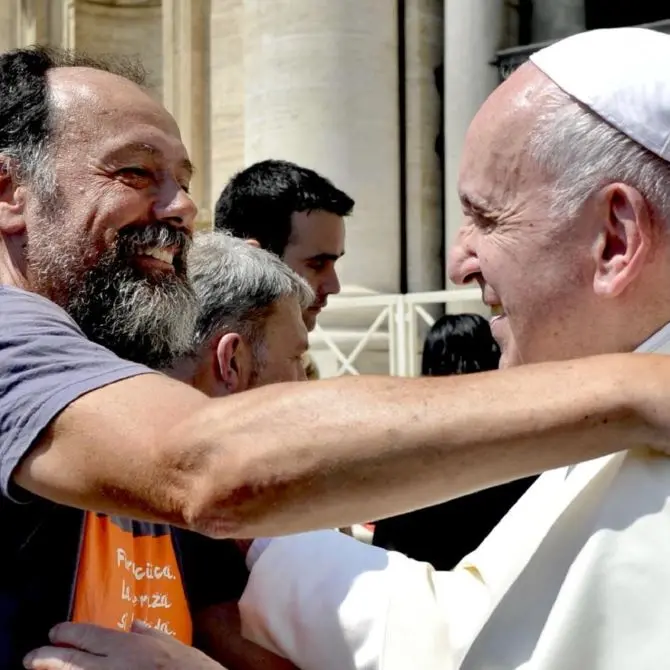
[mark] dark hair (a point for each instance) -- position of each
(258, 202)
(458, 344)
(26, 112)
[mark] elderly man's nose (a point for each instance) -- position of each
(462, 264)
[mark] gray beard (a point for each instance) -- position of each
(136, 318)
(142, 317)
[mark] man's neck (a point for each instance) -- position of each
(10, 275)
(183, 370)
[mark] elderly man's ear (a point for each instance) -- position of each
(626, 240)
(233, 364)
(253, 242)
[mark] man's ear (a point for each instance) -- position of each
(232, 368)
(253, 242)
(626, 241)
(12, 200)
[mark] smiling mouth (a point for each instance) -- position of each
(497, 313)
(161, 259)
(160, 254)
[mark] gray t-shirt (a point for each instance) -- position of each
(46, 363)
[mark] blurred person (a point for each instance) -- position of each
(293, 212)
(442, 535)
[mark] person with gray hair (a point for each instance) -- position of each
(249, 331)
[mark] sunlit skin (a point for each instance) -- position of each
(227, 365)
(563, 289)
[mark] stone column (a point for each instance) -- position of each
(228, 84)
(424, 34)
(186, 88)
(124, 28)
(47, 22)
(555, 19)
(321, 89)
(10, 11)
(473, 30)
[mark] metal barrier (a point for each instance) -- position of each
(395, 324)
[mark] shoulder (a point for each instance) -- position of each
(25, 310)
(46, 363)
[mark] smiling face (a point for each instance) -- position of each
(110, 246)
(563, 288)
(315, 246)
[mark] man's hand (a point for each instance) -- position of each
(88, 647)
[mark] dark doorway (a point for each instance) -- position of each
(619, 13)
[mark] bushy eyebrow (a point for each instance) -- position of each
(475, 207)
(326, 257)
(150, 150)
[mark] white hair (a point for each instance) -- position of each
(584, 153)
(238, 285)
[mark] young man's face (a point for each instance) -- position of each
(315, 246)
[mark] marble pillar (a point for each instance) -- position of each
(321, 89)
(131, 28)
(227, 81)
(186, 87)
(47, 22)
(472, 35)
(28, 22)
(9, 24)
(424, 34)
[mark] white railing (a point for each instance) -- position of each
(390, 323)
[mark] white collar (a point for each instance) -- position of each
(658, 343)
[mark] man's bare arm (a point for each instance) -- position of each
(294, 457)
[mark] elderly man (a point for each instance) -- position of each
(249, 330)
(565, 179)
(95, 219)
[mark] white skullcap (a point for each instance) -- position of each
(621, 74)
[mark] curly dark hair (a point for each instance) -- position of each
(26, 110)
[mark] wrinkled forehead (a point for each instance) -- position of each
(100, 105)
(495, 164)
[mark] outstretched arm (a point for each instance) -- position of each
(292, 457)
